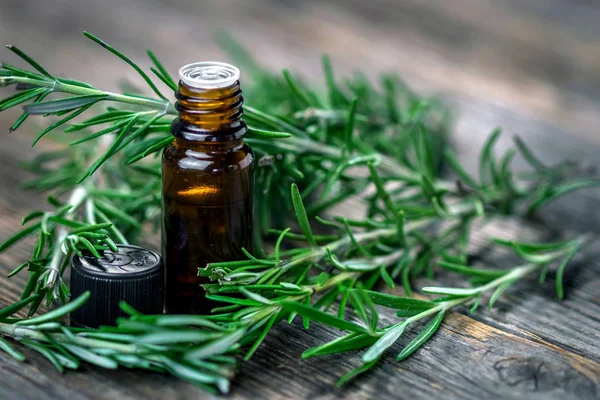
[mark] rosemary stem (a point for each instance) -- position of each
(78, 196)
(310, 290)
(24, 332)
(319, 253)
(516, 273)
(57, 86)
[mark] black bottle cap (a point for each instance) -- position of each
(134, 275)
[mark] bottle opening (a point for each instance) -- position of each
(209, 75)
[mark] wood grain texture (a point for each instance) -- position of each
(532, 67)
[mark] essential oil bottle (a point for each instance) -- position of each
(207, 176)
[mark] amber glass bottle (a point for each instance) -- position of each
(207, 183)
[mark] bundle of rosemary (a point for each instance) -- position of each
(385, 146)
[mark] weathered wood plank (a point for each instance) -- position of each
(465, 359)
(520, 329)
(469, 360)
(531, 310)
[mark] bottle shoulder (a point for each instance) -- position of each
(219, 131)
(208, 159)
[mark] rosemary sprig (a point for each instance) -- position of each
(302, 286)
(162, 343)
(492, 281)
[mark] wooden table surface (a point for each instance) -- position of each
(532, 67)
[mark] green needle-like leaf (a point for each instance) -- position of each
(31, 216)
(66, 104)
(19, 235)
(278, 244)
(19, 98)
(128, 61)
(157, 145)
(532, 247)
(166, 80)
(486, 164)
(422, 337)
(18, 269)
(46, 353)
(8, 349)
(262, 133)
(381, 192)
(296, 89)
(354, 373)
(195, 375)
(561, 190)
(561, 270)
(301, 215)
(386, 277)
(219, 346)
(163, 71)
(262, 336)
(10, 70)
(384, 342)
(91, 357)
(528, 154)
(458, 169)
(499, 290)
(324, 318)
(57, 313)
(349, 129)
(407, 305)
(28, 59)
(352, 341)
(169, 336)
(15, 307)
(61, 122)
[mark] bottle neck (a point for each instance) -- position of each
(209, 115)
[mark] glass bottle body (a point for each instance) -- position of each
(207, 193)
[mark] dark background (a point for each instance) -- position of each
(529, 66)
